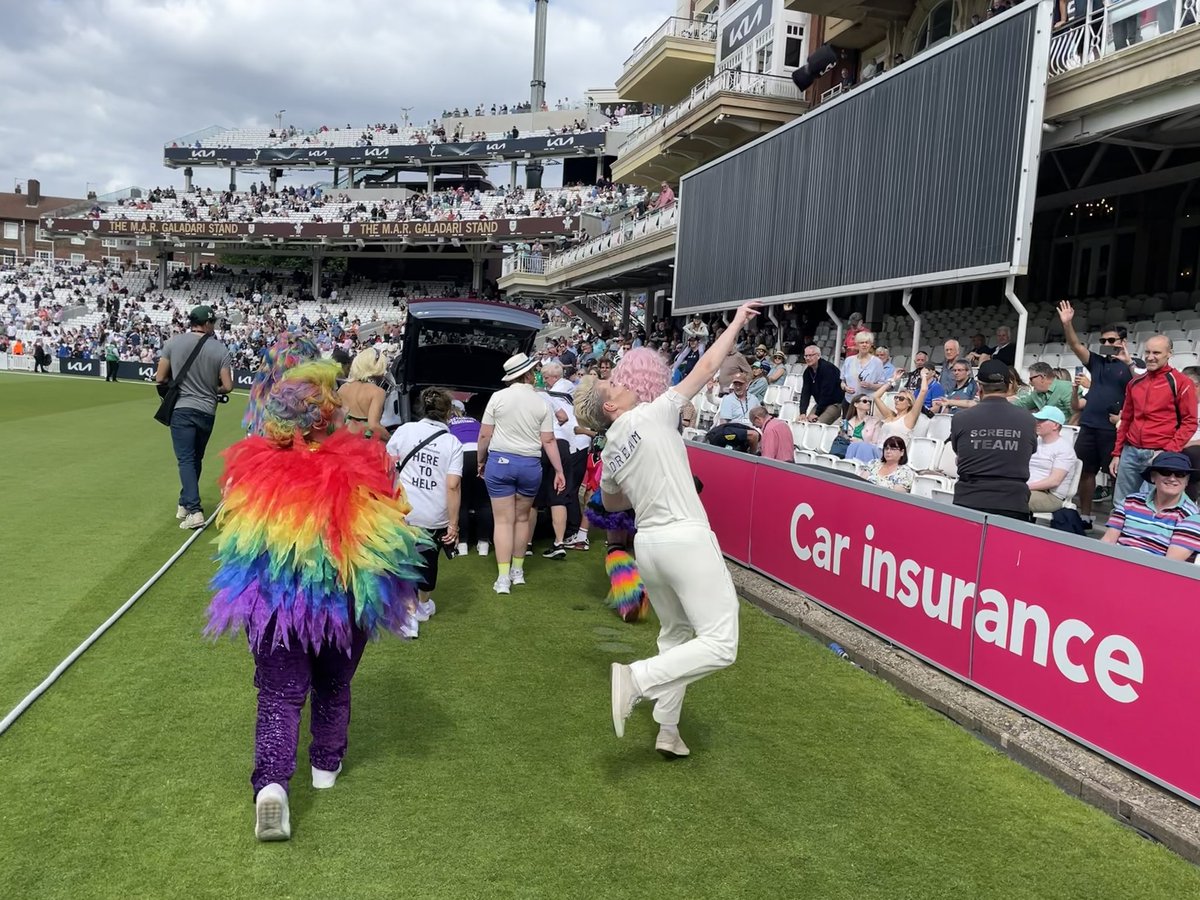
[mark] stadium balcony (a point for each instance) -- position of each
(1126, 70)
(635, 254)
(667, 63)
(726, 110)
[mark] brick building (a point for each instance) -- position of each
(21, 234)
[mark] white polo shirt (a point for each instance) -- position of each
(424, 476)
(646, 460)
(519, 415)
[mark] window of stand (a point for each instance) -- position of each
(938, 26)
(44, 255)
(793, 48)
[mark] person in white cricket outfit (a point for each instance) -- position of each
(646, 469)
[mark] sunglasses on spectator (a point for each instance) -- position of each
(861, 402)
(1110, 340)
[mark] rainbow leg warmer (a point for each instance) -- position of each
(627, 593)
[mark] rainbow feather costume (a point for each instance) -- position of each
(313, 539)
(286, 353)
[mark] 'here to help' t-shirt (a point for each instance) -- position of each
(646, 460)
(424, 476)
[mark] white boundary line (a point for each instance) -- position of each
(33, 695)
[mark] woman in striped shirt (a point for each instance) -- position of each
(1162, 520)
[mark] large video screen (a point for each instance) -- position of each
(924, 175)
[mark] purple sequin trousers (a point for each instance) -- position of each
(285, 678)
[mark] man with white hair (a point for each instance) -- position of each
(646, 469)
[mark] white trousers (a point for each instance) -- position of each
(693, 595)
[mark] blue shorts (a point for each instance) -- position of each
(506, 475)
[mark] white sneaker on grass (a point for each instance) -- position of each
(272, 821)
(323, 779)
(670, 744)
(462, 549)
(181, 512)
(624, 696)
(517, 576)
(426, 609)
(482, 548)
(502, 586)
(192, 521)
(409, 631)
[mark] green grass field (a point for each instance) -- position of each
(482, 761)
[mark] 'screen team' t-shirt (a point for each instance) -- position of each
(424, 476)
(646, 460)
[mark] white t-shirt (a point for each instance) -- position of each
(646, 460)
(566, 430)
(424, 477)
(1048, 458)
(520, 416)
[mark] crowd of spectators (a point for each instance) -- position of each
(313, 204)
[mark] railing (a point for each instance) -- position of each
(727, 81)
(629, 231)
(1116, 27)
(524, 262)
(690, 29)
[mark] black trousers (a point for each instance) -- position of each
(576, 471)
(475, 506)
(110, 369)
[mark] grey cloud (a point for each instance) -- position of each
(94, 88)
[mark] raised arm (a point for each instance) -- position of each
(1066, 315)
(710, 363)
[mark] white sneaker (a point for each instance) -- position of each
(462, 549)
(502, 586)
(426, 609)
(670, 744)
(624, 696)
(181, 512)
(517, 576)
(409, 631)
(272, 822)
(192, 521)
(323, 780)
(482, 548)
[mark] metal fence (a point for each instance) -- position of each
(676, 27)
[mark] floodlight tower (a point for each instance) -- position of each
(537, 87)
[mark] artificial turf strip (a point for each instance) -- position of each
(482, 764)
(89, 511)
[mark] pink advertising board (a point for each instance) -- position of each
(1102, 648)
(901, 570)
(1098, 644)
(728, 484)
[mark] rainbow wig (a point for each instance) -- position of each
(286, 353)
(314, 543)
(304, 399)
(643, 371)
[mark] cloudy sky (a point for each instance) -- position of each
(94, 88)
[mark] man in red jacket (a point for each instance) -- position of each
(1159, 414)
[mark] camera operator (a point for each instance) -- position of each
(207, 382)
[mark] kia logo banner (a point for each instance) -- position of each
(544, 145)
(737, 31)
(79, 366)
(418, 231)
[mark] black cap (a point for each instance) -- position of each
(993, 372)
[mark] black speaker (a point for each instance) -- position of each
(822, 61)
(817, 65)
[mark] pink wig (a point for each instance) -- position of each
(643, 371)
